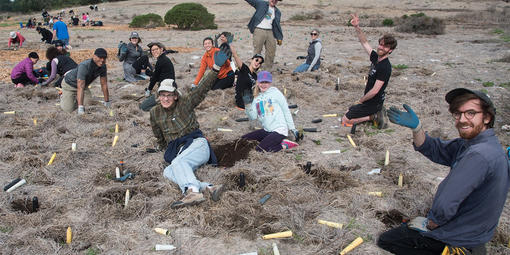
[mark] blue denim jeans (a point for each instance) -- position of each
(182, 169)
(304, 67)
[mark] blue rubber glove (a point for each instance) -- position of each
(220, 57)
(406, 119)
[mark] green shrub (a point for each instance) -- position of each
(387, 22)
(147, 21)
(498, 31)
(190, 16)
(420, 24)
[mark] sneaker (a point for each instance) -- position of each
(215, 191)
(381, 119)
(287, 144)
(191, 198)
(19, 85)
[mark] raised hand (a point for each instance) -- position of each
(406, 119)
(355, 20)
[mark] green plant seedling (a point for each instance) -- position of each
(387, 22)
(498, 31)
(299, 157)
(400, 66)
(488, 84)
(317, 142)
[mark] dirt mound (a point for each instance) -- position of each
(228, 154)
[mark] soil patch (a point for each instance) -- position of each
(228, 154)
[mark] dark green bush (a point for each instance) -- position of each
(420, 24)
(387, 22)
(190, 16)
(150, 20)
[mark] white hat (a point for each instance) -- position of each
(12, 34)
(167, 85)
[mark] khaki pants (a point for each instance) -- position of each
(68, 101)
(264, 37)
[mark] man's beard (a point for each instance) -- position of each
(474, 131)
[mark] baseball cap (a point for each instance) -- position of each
(100, 52)
(167, 85)
(12, 35)
(461, 91)
(134, 35)
(258, 56)
(264, 76)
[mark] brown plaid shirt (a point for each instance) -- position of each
(180, 120)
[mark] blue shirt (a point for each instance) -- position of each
(61, 29)
(469, 201)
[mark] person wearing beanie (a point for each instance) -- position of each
(225, 76)
(271, 109)
(133, 56)
(246, 76)
(75, 88)
(15, 38)
(177, 131)
(468, 203)
(23, 73)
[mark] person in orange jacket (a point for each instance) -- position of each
(15, 37)
(225, 76)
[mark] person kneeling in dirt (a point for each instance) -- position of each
(246, 76)
(75, 89)
(46, 34)
(59, 63)
(15, 38)
(272, 110)
(23, 73)
(469, 201)
(135, 60)
(176, 128)
(163, 69)
(370, 106)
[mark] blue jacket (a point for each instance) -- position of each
(180, 144)
(469, 201)
(261, 8)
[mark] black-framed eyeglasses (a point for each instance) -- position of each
(469, 114)
(313, 34)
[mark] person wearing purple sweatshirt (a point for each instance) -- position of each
(23, 72)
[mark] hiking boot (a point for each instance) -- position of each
(287, 144)
(191, 198)
(381, 119)
(215, 191)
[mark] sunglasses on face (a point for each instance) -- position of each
(258, 60)
(312, 34)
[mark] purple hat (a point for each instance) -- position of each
(264, 76)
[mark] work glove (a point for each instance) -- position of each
(147, 93)
(220, 57)
(107, 104)
(419, 224)
(247, 97)
(406, 119)
(279, 42)
(225, 47)
(297, 135)
(81, 110)
(451, 250)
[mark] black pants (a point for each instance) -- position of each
(224, 83)
(142, 63)
(403, 240)
(23, 79)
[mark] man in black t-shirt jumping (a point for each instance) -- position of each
(370, 106)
